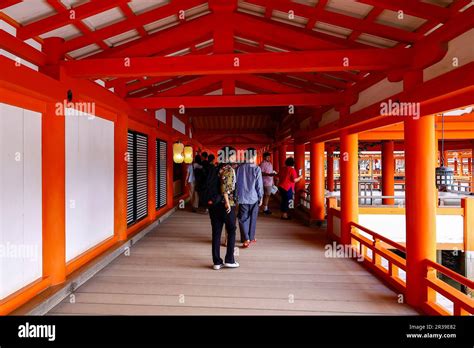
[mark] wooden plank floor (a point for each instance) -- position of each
(169, 273)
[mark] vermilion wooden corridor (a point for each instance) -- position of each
(286, 272)
(94, 95)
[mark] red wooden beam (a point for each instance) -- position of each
(288, 79)
(234, 112)
(322, 80)
(182, 86)
(64, 18)
(269, 85)
(318, 9)
(458, 25)
(19, 48)
(131, 23)
(167, 85)
(183, 35)
(448, 91)
(344, 75)
(8, 3)
(252, 100)
(86, 31)
(367, 59)
(414, 8)
(343, 21)
(206, 90)
(277, 34)
(145, 82)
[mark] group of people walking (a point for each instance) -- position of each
(235, 189)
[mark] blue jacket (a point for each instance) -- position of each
(249, 184)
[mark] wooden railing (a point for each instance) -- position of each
(463, 304)
(379, 247)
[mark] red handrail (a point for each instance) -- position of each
(378, 236)
(450, 273)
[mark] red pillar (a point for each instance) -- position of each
(388, 172)
(330, 170)
(299, 164)
(282, 155)
(349, 167)
(152, 176)
(276, 160)
(169, 174)
(54, 196)
(53, 139)
(420, 198)
(456, 166)
(120, 183)
(317, 182)
(471, 167)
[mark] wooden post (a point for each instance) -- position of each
(317, 182)
(349, 167)
(420, 199)
(468, 205)
(276, 160)
(330, 169)
(54, 195)
(388, 172)
(121, 173)
(471, 167)
(299, 165)
(151, 175)
(282, 155)
(53, 139)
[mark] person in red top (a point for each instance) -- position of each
(288, 178)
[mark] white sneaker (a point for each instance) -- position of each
(216, 267)
(231, 265)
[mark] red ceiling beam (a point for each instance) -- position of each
(224, 36)
(448, 91)
(343, 21)
(86, 31)
(458, 25)
(275, 33)
(232, 131)
(345, 75)
(304, 85)
(145, 82)
(414, 8)
(322, 80)
(165, 86)
(182, 35)
(318, 9)
(367, 59)
(8, 3)
(184, 86)
(252, 100)
(131, 23)
(234, 112)
(64, 18)
(206, 90)
(269, 85)
(19, 48)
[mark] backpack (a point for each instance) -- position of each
(210, 192)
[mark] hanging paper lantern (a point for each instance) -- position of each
(188, 154)
(178, 152)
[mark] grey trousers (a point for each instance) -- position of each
(247, 216)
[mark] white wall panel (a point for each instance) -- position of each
(89, 182)
(20, 198)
